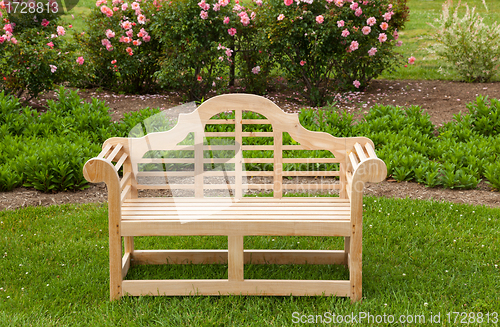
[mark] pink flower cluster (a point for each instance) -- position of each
(126, 24)
(9, 29)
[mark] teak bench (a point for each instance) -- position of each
(235, 216)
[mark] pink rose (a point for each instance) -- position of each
(141, 19)
(320, 19)
(125, 6)
(60, 30)
(358, 12)
(199, 78)
(396, 35)
(80, 60)
(52, 68)
(135, 6)
(371, 21)
(354, 6)
(281, 17)
(366, 30)
(147, 38)
(388, 15)
(372, 51)
(50, 44)
(45, 22)
(256, 70)
(356, 84)
(411, 60)
(226, 20)
(354, 45)
(232, 31)
(345, 33)
(382, 37)
(8, 28)
(113, 61)
(384, 26)
(110, 34)
(203, 14)
(302, 62)
(340, 23)
(399, 43)
(288, 2)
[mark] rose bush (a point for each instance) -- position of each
(192, 33)
(341, 44)
(34, 53)
(124, 54)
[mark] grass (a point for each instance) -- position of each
(420, 257)
(418, 37)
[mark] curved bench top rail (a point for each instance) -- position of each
(196, 121)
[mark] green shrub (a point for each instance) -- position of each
(320, 45)
(35, 53)
(468, 44)
(121, 61)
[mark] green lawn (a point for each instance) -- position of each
(420, 258)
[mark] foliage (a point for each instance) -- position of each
(194, 61)
(318, 43)
(47, 151)
(468, 44)
(123, 52)
(34, 53)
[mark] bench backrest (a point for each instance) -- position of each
(206, 151)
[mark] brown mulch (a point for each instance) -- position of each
(440, 99)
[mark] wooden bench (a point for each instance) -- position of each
(184, 152)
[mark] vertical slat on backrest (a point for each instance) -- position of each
(278, 161)
(238, 166)
(198, 164)
(343, 191)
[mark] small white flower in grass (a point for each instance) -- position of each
(404, 274)
(47, 284)
(20, 265)
(371, 226)
(22, 288)
(385, 304)
(446, 271)
(482, 245)
(298, 242)
(426, 304)
(8, 297)
(272, 240)
(26, 273)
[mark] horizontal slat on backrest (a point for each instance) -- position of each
(244, 121)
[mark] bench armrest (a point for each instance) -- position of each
(363, 166)
(101, 169)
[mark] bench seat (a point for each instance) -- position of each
(250, 216)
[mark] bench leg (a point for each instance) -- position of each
(355, 267)
(115, 266)
(129, 244)
(235, 258)
(347, 249)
